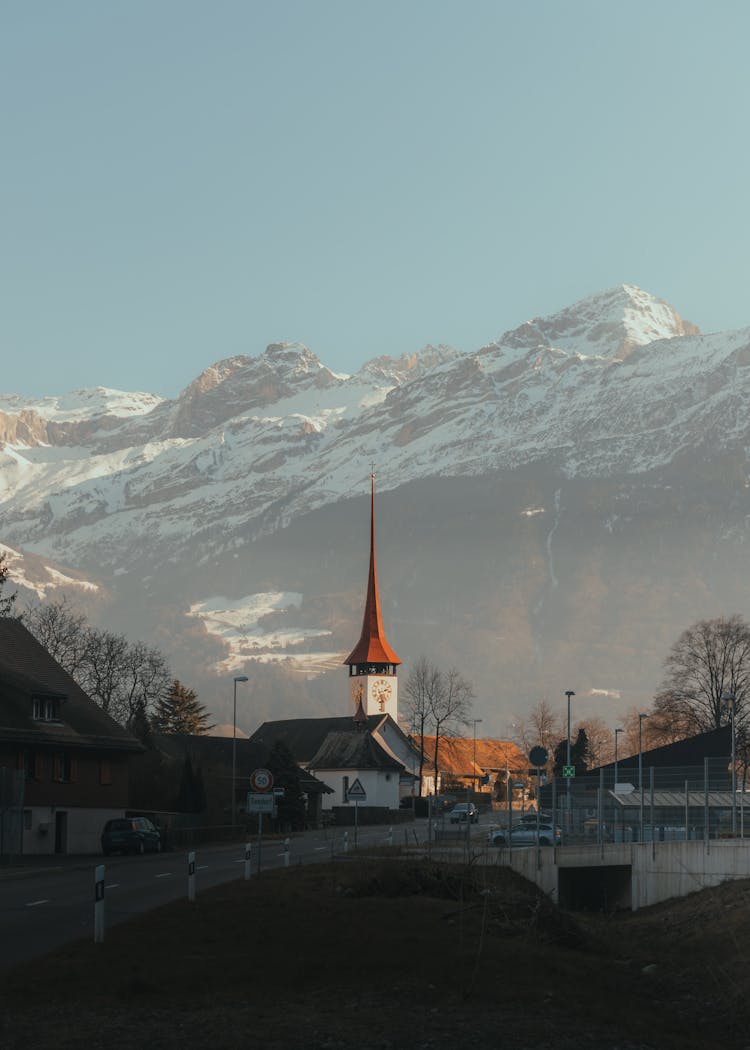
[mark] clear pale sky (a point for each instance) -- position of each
(183, 181)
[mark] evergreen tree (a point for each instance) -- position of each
(180, 711)
(579, 754)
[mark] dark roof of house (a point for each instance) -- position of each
(352, 749)
(717, 743)
(28, 672)
(304, 736)
(211, 752)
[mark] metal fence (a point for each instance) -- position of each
(649, 803)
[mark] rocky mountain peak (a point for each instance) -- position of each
(609, 324)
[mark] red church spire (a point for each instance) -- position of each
(372, 647)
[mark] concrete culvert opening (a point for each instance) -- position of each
(595, 889)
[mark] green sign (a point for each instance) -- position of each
(569, 771)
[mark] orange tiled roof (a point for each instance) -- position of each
(372, 647)
(456, 755)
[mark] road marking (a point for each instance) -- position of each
(202, 867)
(319, 849)
(33, 904)
(112, 886)
(164, 875)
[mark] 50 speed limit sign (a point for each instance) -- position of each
(261, 780)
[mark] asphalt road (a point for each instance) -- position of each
(51, 902)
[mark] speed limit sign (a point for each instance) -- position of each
(261, 780)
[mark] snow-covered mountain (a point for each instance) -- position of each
(177, 499)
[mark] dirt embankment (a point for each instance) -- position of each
(390, 955)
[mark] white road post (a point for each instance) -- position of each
(248, 855)
(286, 853)
(346, 842)
(191, 876)
(390, 836)
(99, 904)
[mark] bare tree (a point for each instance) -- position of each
(126, 679)
(449, 707)
(421, 687)
(7, 603)
(437, 702)
(144, 679)
(540, 726)
(709, 662)
(601, 740)
(61, 629)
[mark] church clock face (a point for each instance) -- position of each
(382, 691)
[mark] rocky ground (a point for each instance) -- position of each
(390, 954)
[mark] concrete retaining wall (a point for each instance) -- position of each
(659, 870)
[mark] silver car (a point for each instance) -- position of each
(526, 835)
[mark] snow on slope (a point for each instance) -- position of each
(239, 624)
(255, 442)
(611, 323)
(89, 403)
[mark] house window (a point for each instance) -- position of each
(45, 710)
(105, 771)
(64, 769)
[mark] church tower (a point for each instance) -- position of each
(372, 662)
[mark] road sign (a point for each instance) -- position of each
(278, 792)
(261, 780)
(257, 802)
(356, 792)
(569, 771)
(538, 756)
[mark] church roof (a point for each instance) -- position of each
(372, 647)
(304, 736)
(352, 749)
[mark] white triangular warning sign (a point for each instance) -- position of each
(356, 792)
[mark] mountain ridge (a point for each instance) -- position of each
(169, 493)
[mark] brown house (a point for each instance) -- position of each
(63, 761)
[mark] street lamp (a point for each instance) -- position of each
(239, 678)
(729, 699)
(568, 693)
(474, 756)
(618, 730)
(640, 768)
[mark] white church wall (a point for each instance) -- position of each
(381, 789)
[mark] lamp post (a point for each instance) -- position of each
(239, 678)
(568, 693)
(729, 699)
(617, 732)
(474, 754)
(640, 769)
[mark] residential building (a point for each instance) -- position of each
(64, 763)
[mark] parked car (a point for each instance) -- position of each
(130, 835)
(525, 835)
(464, 811)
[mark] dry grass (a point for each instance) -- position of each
(393, 954)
